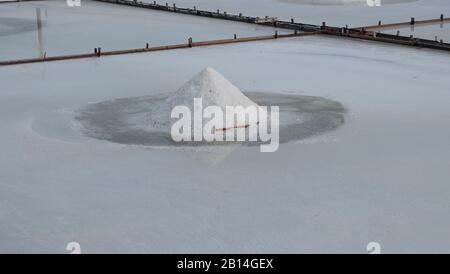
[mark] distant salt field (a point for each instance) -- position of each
(370, 3)
(74, 30)
(353, 15)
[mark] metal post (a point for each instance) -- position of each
(413, 21)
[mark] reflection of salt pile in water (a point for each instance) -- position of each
(214, 90)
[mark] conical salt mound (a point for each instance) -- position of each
(213, 88)
(209, 85)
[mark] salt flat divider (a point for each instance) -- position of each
(407, 24)
(17, 1)
(190, 44)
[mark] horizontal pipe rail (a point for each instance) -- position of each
(99, 53)
(407, 24)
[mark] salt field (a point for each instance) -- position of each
(71, 30)
(371, 165)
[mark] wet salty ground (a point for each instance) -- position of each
(126, 120)
(380, 176)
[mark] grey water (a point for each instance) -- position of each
(126, 120)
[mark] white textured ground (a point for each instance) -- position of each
(383, 176)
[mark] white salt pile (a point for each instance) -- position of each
(146, 120)
(212, 88)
